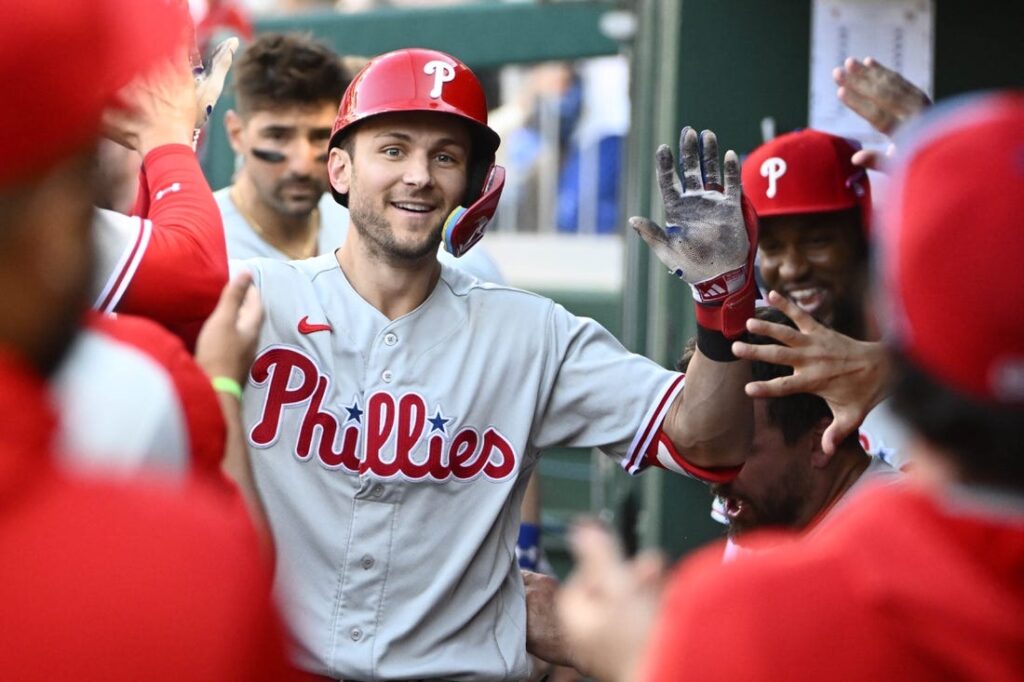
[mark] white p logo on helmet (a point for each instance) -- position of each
(773, 169)
(443, 72)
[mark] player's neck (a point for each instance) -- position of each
(393, 289)
(293, 235)
(844, 470)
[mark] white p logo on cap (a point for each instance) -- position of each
(443, 72)
(773, 168)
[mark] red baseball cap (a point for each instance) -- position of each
(61, 63)
(952, 244)
(806, 171)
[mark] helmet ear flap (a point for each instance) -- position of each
(465, 226)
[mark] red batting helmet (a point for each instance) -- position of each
(806, 171)
(427, 80)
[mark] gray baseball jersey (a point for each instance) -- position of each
(392, 457)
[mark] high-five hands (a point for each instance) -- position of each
(210, 81)
(706, 242)
(880, 96)
(850, 375)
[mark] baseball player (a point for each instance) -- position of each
(938, 594)
(885, 100)
(99, 581)
(788, 480)
(128, 370)
(396, 405)
(287, 89)
(140, 258)
(814, 210)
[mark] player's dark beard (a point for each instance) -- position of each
(315, 188)
(848, 318)
(778, 506)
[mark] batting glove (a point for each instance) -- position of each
(711, 232)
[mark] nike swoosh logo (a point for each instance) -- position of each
(307, 327)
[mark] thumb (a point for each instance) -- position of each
(656, 238)
(650, 231)
(232, 296)
(250, 315)
(836, 433)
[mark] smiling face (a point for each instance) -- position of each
(404, 173)
(285, 153)
(817, 260)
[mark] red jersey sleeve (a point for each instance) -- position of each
(183, 268)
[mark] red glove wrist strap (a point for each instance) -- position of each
(730, 317)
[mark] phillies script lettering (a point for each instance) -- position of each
(398, 437)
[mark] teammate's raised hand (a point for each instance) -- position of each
(704, 234)
(227, 342)
(608, 605)
(880, 96)
(156, 109)
(210, 82)
(850, 375)
(706, 241)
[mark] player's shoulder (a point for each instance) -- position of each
(462, 283)
(137, 332)
(223, 197)
(266, 269)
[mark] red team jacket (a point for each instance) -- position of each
(176, 264)
(907, 584)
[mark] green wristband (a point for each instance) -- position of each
(227, 385)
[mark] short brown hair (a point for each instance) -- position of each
(287, 70)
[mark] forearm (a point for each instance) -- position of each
(711, 422)
(235, 466)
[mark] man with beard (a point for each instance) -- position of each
(813, 207)
(397, 406)
(814, 211)
(287, 89)
(788, 481)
